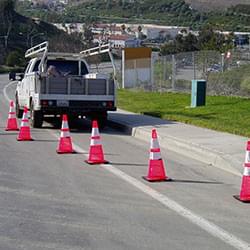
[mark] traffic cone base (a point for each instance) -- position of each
(24, 134)
(237, 197)
(156, 171)
(65, 146)
(12, 125)
(96, 162)
(245, 184)
(96, 155)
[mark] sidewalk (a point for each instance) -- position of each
(221, 150)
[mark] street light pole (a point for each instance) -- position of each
(249, 43)
(5, 41)
(222, 61)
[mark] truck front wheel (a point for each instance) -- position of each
(19, 112)
(36, 117)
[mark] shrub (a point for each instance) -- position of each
(14, 58)
(245, 85)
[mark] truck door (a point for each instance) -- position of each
(24, 89)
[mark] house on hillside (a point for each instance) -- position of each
(123, 41)
(101, 28)
(161, 32)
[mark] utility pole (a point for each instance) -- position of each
(5, 41)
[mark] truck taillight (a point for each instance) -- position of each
(110, 104)
(44, 103)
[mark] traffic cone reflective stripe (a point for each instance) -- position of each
(247, 157)
(12, 121)
(156, 170)
(155, 154)
(96, 155)
(65, 143)
(95, 140)
(65, 133)
(246, 171)
(24, 133)
(245, 184)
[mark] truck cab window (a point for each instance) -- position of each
(36, 66)
(64, 67)
(84, 70)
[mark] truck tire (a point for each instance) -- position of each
(73, 120)
(36, 117)
(19, 112)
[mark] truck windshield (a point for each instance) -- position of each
(65, 67)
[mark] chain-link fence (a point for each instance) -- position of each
(226, 74)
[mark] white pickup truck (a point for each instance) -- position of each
(58, 83)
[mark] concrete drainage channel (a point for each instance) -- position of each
(191, 150)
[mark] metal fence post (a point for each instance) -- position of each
(193, 55)
(173, 72)
(164, 68)
(222, 62)
(136, 73)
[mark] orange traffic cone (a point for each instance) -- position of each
(24, 133)
(96, 155)
(156, 171)
(245, 185)
(65, 144)
(12, 121)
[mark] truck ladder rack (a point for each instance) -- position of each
(32, 52)
(105, 48)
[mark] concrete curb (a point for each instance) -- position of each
(186, 148)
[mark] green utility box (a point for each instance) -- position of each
(198, 97)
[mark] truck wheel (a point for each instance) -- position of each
(36, 117)
(73, 119)
(19, 112)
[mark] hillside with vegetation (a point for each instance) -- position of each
(196, 4)
(214, 5)
(165, 12)
(18, 33)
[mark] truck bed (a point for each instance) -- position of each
(75, 85)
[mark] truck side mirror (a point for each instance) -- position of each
(21, 76)
(12, 76)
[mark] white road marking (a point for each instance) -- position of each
(210, 227)
(204, 224)
(5, 91)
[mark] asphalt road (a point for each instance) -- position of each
(51, 201)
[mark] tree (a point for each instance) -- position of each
(88, 35)
(14, 58)
(6, 18)
(7, 6)
(168, 48)
(211, 40)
